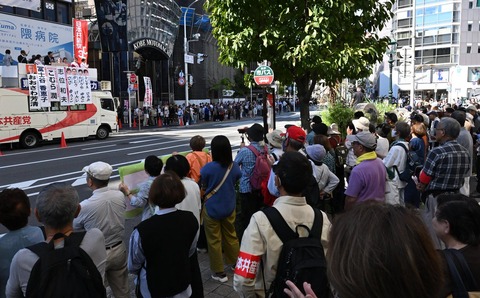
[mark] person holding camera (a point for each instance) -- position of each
(251, 199)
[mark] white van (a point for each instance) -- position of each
(29, 127)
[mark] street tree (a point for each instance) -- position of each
(305, 40)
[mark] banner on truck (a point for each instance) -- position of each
(69, 85)
(80, 41)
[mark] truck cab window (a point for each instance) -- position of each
(107, 104)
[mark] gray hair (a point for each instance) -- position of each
(451, 127)
(57, 204)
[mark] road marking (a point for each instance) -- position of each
(98, 147)
(142, 141)
(86, 154)
(22, 184)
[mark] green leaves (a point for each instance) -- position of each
(299, 38)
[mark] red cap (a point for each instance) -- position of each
(296, 133)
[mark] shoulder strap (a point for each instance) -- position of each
(283, 230)
(279, 225)
(74, 239)
(460, 284)
(214, 191)
(254, 150)
(403, 146)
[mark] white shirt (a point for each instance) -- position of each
(397, 157)
(192, 201)
(382, 147)
(104, 210)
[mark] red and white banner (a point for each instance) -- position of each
(148, 92)
(80, 40)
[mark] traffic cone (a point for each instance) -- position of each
(63, 143)
(119, 124)
(134, 123)
(160, 122)
(180, 121)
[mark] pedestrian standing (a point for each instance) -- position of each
(218, 179)
(105, 210)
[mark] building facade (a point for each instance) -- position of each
(445, 37)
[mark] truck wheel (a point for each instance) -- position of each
(29, 139)
(102, 133)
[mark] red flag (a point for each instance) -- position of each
(80, 39)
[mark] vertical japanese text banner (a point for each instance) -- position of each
(80, 39)
(148, 92)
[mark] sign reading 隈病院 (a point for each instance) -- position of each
(35, 37)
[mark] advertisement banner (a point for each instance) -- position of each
(26, 4)
(80, 41)
(112, 21)
(147, 102)
(35, 37)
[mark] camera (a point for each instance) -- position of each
(242, 130)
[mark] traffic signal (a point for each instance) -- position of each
(201, 57)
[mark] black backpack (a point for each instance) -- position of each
(302, 258)
(341, 152)
(64, 272)
(411, 165)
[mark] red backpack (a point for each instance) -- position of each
(262, 167)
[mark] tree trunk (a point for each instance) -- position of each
(305, 88)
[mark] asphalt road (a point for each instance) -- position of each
(33, 169)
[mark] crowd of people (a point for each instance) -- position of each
(173, 114)
(396, 194)
(48, 59)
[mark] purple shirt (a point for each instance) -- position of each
(367, 181)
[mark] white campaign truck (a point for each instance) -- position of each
(18, 123)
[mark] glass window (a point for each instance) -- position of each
(50, 14)
(478, 49)
(55, 106)
(22, 11)
(403, 3)
(469, 27)
(62, 13)
(443, 59)
(443, 51)
(444, 38)
(107, 104)
(470, 4)
(5, 8)
(478, 3)
(78, 107)
(37, 14)
(469, 49)
(428, 40)
(404, 23)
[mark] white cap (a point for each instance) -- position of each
(99, 170)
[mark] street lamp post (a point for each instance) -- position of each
(391, 60)
(185, 50)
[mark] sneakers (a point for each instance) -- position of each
(202, 250)
(221, 277)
